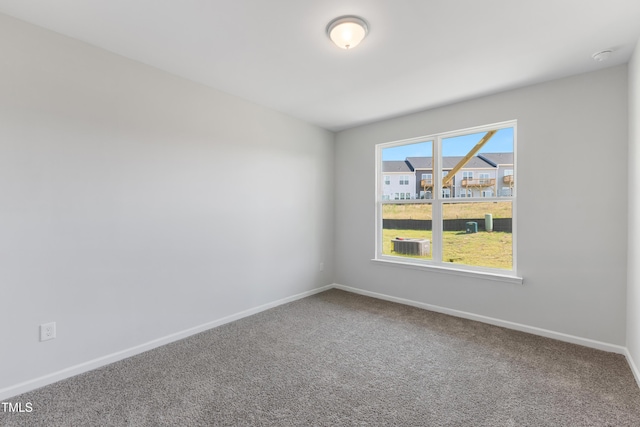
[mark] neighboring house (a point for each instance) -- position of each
(484, 175)
(423, 176)
(476, 179)
(503, 162)
(398, 180)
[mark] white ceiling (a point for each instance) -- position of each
(419, 53)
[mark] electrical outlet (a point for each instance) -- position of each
(47, 331)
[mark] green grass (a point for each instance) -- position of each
(478, 249)
(451, 210)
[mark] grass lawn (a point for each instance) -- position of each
(480, 249)
(451, 210)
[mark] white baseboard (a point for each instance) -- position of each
(633, 366)
(42, 381)
(492, 321)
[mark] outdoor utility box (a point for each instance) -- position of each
(472, 227)
(488, 222)
(420, 247)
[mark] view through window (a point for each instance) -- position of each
(466, 218)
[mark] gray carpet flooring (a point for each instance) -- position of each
(338, 358)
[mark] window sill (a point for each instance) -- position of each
(452, 270)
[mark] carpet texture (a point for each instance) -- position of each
(338, 358)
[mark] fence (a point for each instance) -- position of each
(499, 224)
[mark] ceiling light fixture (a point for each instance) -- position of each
(347, 31)
(602, 56)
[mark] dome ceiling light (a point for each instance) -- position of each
(347, 31)
(602, 56)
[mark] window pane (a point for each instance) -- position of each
(406, 230)
(482, 162)
(470, 237)
(403, 168)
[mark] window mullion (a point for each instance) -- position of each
(379, 202)
(436, 209)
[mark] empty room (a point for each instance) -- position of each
(332, 212)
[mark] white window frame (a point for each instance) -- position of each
(404, 180)
(437, 203)
(387, 180)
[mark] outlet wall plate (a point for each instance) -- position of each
(47, 331)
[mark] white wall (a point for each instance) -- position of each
(633, 290)
(572, 221)
(134, 203)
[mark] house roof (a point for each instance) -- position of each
(498, 158)
(390, 166)
(475, 162)
(449, 162)
(421, 162)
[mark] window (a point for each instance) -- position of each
(461, 224)
(404, 179)
(387, 180)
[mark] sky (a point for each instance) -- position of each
(501, 142)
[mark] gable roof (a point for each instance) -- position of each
(421, 162)
(391, 166)
(497, 158)
(449, 162)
